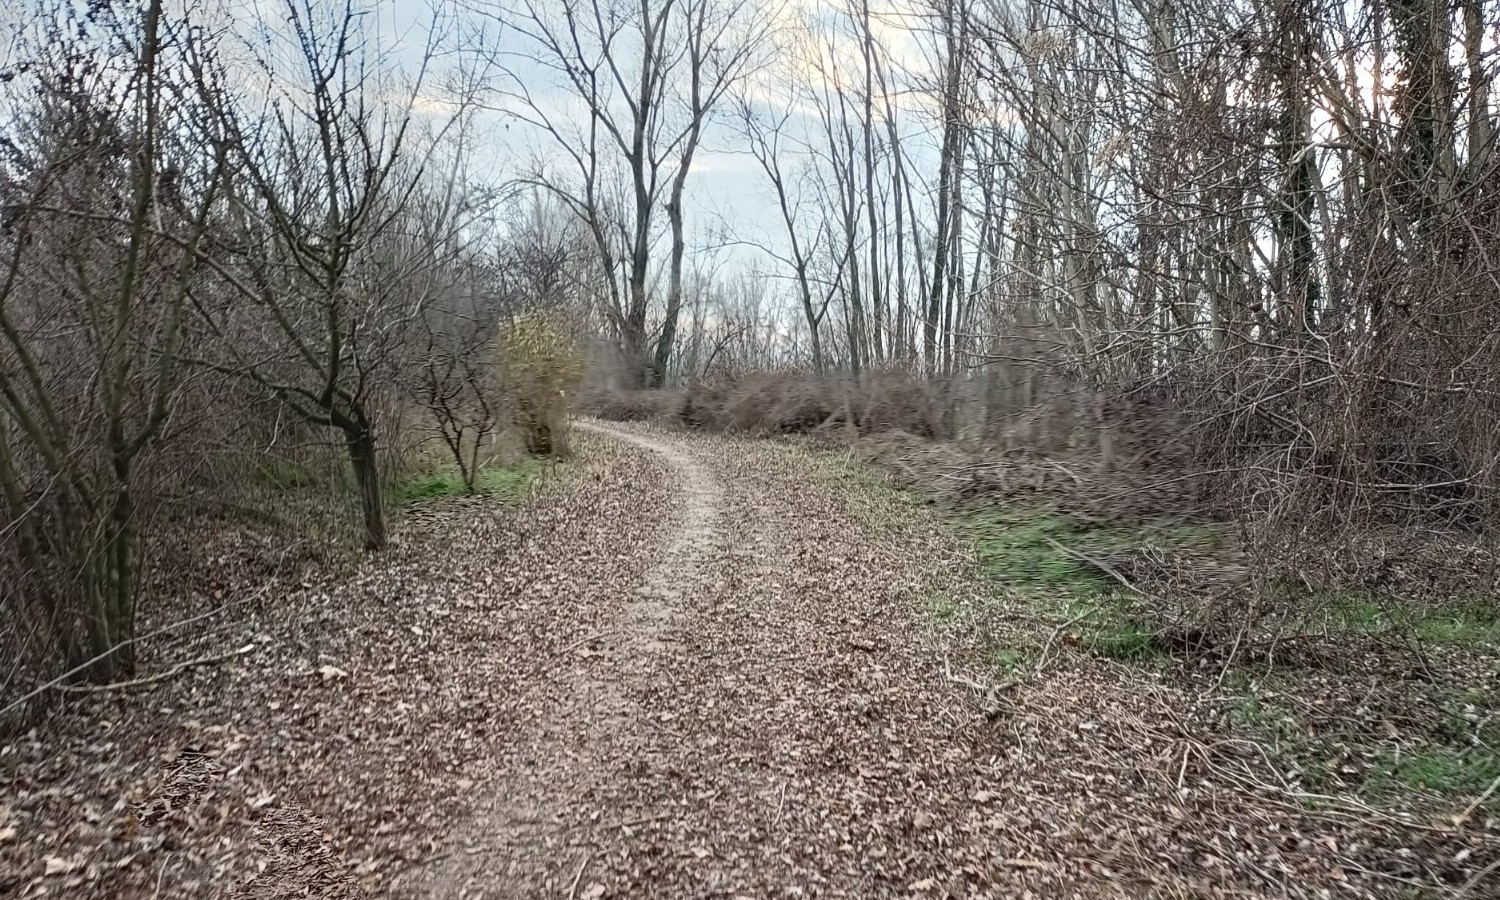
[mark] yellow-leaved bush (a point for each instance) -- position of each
(542, 367)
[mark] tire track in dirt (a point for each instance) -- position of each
(529, 836)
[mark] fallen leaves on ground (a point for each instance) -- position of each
(583, 698)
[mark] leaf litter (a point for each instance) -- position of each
(696, 669)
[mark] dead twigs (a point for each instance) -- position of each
(1041, 659)
(1461, 818)
(641, 820)
(1101, 565)
(573, 888)
(160, 676)
(165, 629)
(990, 692)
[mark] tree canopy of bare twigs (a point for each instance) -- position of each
(105, 206)
(650, 76)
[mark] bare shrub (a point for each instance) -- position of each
(701, 407)
(633, 406)
(542, 366)
(778, 403)
(92, 306)
(897, 401)
(452, 382)
(788, 402)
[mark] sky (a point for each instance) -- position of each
(727, 194)
(730, 206)
(726, 190)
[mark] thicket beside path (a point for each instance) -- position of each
(697, 668)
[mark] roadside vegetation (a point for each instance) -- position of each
(1352, 696)
(1386, 700)
(1376, 688)
(510, 484)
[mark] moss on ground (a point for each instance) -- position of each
(510, 484)
(1041, 555)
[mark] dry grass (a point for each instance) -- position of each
(789, 402)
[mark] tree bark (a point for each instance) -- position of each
(360, 441)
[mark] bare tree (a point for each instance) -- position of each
(765, 132)
(650, 74)
(448, 358)
(105, 205)
(315, 288)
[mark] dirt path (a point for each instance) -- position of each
(770, 712)
(707, 728)
(680, 572)
(698, 667)
(517, 843)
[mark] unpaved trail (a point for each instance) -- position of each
(515, 843)
(693, 667)
(773, 710)
(681, 569)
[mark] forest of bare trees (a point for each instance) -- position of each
(662, 448)
(227, 250)
(1272, 223)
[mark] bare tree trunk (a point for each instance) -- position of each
(362, 458)
(1481, 125)
(956, 38)
(875, 237)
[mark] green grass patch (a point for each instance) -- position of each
(429, 487)
(1008, 660)
(1353, 613)
(942, 611)
(1444, 771)
(1109, 627)
(1015, 546)
(512, 483)
(1344, 612)
(1126, 642)
(1471, 622)
(1250, 711)
(1042, 556)
(1034, 547)
(1453, 754)
(508, 483)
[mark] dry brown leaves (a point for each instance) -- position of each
(478, 711)
(340, 750)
